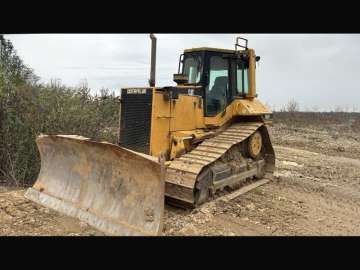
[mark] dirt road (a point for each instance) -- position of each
(316, 191)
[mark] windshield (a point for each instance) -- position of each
(193, 68)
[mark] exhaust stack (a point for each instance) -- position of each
(153, 60)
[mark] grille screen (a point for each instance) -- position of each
(135, 126)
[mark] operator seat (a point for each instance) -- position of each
(217, 95)
(220, 86)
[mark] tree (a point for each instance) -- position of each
(292, 106)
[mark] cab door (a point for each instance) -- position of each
(218, 92)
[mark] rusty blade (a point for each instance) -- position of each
(109, 187)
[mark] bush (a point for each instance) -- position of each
(28, 109)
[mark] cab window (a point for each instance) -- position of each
(242, 75)
(193, 68)
(217, 88)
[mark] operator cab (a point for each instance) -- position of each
(223, 75)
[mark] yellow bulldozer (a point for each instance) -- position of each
(180, 144)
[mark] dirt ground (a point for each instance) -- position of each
(316, 191)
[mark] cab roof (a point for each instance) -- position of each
(201, 49)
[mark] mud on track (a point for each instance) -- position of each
(316, 191)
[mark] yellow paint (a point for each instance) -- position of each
(171, 116)
(186, 114)
(160, 125)
(252, 80)
(244, 107)
(201, 49)
(177, 147)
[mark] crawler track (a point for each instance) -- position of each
(183, 173)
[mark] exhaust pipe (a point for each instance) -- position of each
(153, 60)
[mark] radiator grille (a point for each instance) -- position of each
(135, 125)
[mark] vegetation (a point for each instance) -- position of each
(29, 108)
(291, 115)
(291, 106)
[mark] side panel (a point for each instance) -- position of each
(135, 124)
(170, 115)
(239, 107)
(160, 130)
(186, 113)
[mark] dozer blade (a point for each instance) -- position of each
(109, 187)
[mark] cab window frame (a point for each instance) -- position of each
(241, 92)
(207, 69)
(203, 64)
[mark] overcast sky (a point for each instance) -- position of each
(319, 71)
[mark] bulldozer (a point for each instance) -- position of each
(183, 145)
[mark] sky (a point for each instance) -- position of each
(319, 71)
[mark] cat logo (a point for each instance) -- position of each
(136, 91)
